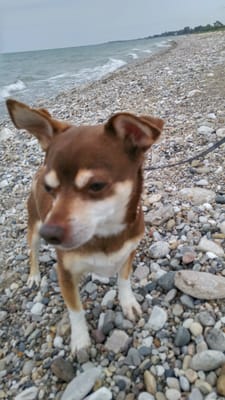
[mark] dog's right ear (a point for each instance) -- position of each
(36, 121)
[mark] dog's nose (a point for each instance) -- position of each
(53, 234)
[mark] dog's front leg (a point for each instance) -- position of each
(79, 331)
(128, 302)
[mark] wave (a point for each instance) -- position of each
(11, 88)
(133, 55)
(163, 44)
(147, 51)
(91, 74)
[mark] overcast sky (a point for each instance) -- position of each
(41, 24)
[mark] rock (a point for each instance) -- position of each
(195, 395)
(207, 360)
(5, 133)
(150, 382)
(146, 396)
(154, 198)
(220, 385)
(118, 341)
(37, 309)
(191, 375)
(3, 315)
(220, 199)
(172, 383)
(98, 336)
(206, 318)
(204, 386)
(222, 227)
(205, 130)
(201, 285)
(141, 272)
(101, 394)
(208, 245)
(28, 367)
(63, 369)
(215, 339)
(133, 357)
(173, 394)
(197, 195)
(182, 337)
(58, 342)
(159, 249)
(81, 385)
(166, 281)
(202, 182)
(196, 329)
(28, 394)
(188, 257)
(157, 319)
(108, 323)
(159, 216)
(109, 297)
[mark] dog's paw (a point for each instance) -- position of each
(131, 309)
(33, 280)
(80, 343)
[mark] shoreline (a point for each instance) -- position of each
(185, 230)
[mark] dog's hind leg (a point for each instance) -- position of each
(33, 238)
(128, 302)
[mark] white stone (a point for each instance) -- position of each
(5, 133)
(220, 132)
(109, 297)
(159, 249)
(173, 394)
(196, 329)
(207, 360)
(201, 285)
(28, 394)
(222, 227)
(37, 309)
(157, 319)
(81, 385)
(58, 342)
(208, 245)
(118, 341)
(205, 130)
(101, 394)
(197, 195)
(146, 396)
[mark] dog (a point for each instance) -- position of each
(86, 202)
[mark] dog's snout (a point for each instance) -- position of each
(53, 234)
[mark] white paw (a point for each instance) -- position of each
(34, 279)
(80, 342)
(131, 308)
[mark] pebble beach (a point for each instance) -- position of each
(176, 350)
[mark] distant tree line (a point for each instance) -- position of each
(197, 29)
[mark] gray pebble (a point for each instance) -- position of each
(182, 337)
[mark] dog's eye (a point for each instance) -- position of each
(97, 186)
(47, 188)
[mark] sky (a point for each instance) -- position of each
(43, 24)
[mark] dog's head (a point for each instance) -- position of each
(92, 173)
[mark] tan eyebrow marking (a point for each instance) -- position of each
(82, 177)
(51, 179)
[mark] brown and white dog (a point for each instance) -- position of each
(85, 201)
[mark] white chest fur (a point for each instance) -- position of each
(99, 262)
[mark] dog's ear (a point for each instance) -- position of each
(37, 121)
(140, 132)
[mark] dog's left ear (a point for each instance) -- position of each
(36, 121)
(141, 131)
